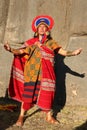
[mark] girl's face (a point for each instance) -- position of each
(42, 28)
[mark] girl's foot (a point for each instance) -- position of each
(51, 119)
(19, 121)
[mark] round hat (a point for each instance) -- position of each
(47, 20)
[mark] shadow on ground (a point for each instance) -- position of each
(9, 111)
(82, 127)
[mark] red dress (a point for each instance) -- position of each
(42, 88)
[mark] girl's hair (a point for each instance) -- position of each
(49, 37)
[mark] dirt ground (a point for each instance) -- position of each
(69, 118)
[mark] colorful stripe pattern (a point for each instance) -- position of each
(39, 78)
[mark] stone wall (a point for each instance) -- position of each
(70, 31)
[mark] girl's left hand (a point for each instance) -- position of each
(77, 52)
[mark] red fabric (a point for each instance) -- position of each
(27, 106)
(16, 85)
(46, 93)
(46, 100)
(30, 93)
(47, 83)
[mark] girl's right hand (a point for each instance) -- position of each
(7, 47)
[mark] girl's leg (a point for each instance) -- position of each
(24, 108)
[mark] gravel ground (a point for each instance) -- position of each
(69, 118)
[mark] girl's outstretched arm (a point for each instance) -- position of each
(12, 50)
(63, 52)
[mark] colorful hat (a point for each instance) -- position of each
(48, 20)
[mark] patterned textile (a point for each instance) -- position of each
(41, 70)
(47, 20)
(16, 83)
(39, 78)
(46, 94)
(32, 66)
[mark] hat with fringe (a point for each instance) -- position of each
(45, 19)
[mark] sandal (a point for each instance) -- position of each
(19, 121)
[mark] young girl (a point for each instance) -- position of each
(38, 77)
